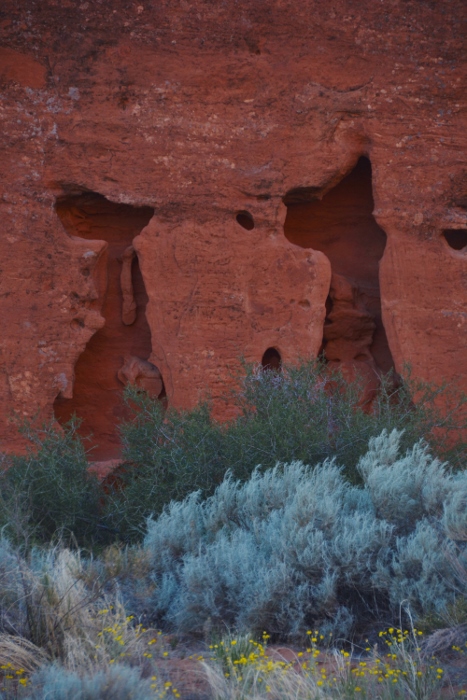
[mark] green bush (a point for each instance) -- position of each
(166, 457)
(48, 492)
(299, 548)
(303, 413)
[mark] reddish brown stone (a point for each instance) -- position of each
(142, 374)
(98, 378)
(22, 69)
(193, 131)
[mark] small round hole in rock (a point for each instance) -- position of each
(272, 360)
(456, 238)
(245, 219)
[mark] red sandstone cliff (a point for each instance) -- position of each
(249, 152)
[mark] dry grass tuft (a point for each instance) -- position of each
(19, 653)
(444, 640)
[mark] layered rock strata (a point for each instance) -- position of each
(190, 133)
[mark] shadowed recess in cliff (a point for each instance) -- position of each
(118, 352)
(245, 220)
(456, 238)
(342, 226)
(272, 360)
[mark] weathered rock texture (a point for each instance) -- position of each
(342, 226)
(120, 296)
(192, 131)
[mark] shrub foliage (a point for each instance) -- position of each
(49, 492)
(304, 413)
(298, 547)
(115, 683)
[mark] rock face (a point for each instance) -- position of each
(110, 358)
(183, 184)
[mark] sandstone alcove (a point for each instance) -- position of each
(124, 343)
(342, 226)
(271, 360)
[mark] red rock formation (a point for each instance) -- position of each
(142, 374)
(126, 284)
(103, 367)
(225, 120)
(348, 337)
(342, 226)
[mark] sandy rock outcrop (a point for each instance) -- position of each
(248, 152)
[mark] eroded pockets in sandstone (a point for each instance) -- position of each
(245, 219)
(117, 353)
(341, 225)
(272, 360)
(456, 238)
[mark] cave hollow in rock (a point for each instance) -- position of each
(245, 219)
(342, 226)
(271, 360)
(98, 393)
(456, 238)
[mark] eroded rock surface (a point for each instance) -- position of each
(126, 283)
(348, 337)
(142, 374)
(119, 295)
(193, 132)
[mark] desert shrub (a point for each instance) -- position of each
(44, 598)
(49, 491)
(418, 487)
(167, 457)
(115, 683)
(299, 547)
(59, 604)
(302, 414)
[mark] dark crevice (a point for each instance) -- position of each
(117, 353)
(245, 219)
(272, 360)
(342, 226)
(456, 238)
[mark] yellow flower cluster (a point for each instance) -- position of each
(12, 678)
(399, 666)
(161, 692)
(113, 636)
(123, 638)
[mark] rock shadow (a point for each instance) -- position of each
(342, 226)
(118, 352)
